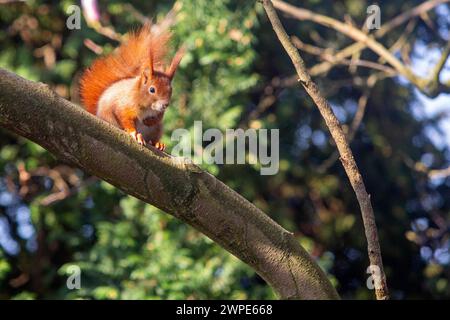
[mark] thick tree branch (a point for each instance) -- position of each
(172, 184)
(343, 147)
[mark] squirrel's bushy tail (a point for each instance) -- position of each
(126, 62)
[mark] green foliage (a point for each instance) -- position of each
(147, 255)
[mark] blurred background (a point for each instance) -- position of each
(235, 74)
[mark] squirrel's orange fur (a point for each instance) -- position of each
(131, 87)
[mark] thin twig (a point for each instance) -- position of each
(330, 56)
(428, 85)
(441, 62)
(107, 31)
(400, 42)
(422, 168)
(345, 152)
(384, 29)
(91, 45)
(356, 122)
(439, 173)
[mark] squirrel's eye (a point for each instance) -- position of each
(152, 89)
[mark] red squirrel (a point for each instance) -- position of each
(131, 87)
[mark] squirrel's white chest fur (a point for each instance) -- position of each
(118, 95)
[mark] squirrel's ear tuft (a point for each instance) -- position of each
(147, 74)
(175, 62)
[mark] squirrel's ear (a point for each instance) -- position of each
(175, 62)
(147, 74)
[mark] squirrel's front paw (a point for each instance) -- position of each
(138, 137)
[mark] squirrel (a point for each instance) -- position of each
(131, 88)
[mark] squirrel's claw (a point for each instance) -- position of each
(160, 146)
(138, 137)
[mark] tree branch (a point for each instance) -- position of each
(345, 152)
(429, 86)
(419, 166)
(441, 63)
(329, 55)
(384, 29)
(172, 184)
(357, 119)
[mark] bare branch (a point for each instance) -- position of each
(441, 63)
(327, 55)
(357, 119)
(420, 167)
(429, 86)
(384, 29)
(439, 173)
(401, 41)
(345, 152)
(107, 31)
